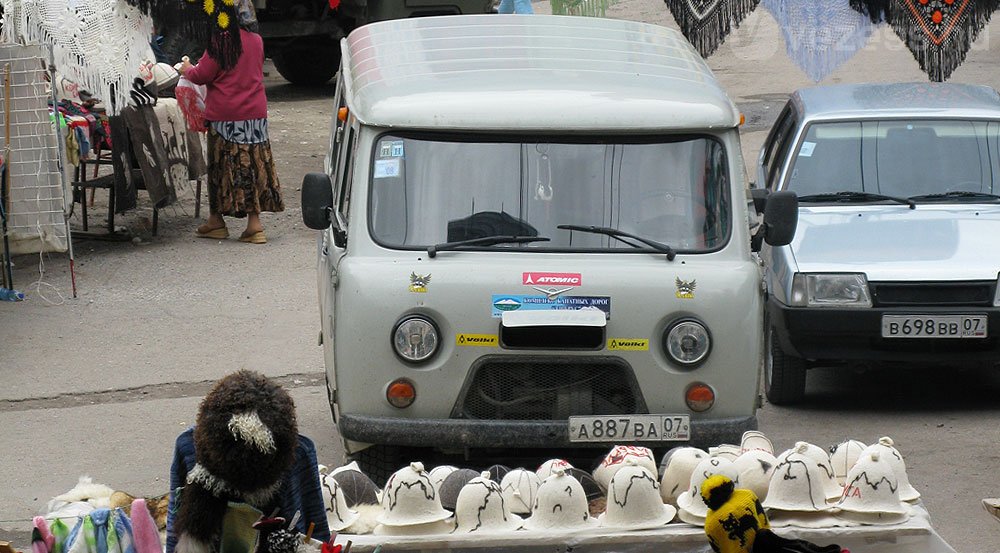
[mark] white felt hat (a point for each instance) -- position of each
(426, 529)
(729, 451)
(616, 459)
(481, 508)
(545, 469)
(519, 487)
(677, 466)
(410, 498)
(560, 505)
(634, 500)
(831, 488)
(338, 516)
(439, 473)
(871, 495)
(843, 456)
(690, 502)
(755, 467)
(755, 439)
(797, 485)
(885, 444)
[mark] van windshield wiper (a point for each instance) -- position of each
(620, 235)
(483, 241)
(957, 195)
(853, 196)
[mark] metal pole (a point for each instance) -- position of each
(8, 277)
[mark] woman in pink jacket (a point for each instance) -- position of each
(242, 180)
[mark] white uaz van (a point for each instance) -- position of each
(535, 236)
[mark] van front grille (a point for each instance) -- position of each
(508, 387)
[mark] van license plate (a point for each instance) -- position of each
(934, 326)
(630, 428)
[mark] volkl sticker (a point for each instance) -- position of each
(486, 340)
(502, 303)
(628, 344)
(551, 279)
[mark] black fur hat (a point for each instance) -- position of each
(245, 440)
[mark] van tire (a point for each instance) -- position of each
(310, 61)
(379, 462)
(784, 375)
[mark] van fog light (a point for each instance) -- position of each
(699, 397)
(415, 339)
(687, 342)
(401, 393)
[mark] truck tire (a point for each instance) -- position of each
(784, 375)
(310, 62)
(379, 462)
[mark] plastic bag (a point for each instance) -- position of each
(191, 98)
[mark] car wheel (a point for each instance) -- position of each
(379, 462)
(784, 375)
(308, 62)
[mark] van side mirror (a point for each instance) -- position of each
(759, 197)
(781, 217)
(317, 206)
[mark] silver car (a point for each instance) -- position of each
(896, 253)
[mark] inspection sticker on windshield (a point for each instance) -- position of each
(386, 168)
(807, 149)
(517, 302)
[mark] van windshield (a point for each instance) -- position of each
(675, 191)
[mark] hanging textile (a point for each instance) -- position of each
(939, 33)
(97, 44)
(820, 36)
(707, 23)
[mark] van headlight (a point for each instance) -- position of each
(687, 342)
(415, 339)
(830, 290)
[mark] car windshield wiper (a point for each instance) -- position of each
(852, 196)
(483, 241)
(620, 234)
(957, 194)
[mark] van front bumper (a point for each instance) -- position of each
(831, 334)
(461, 433)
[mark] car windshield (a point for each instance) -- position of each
(899, 158)
(429, 191)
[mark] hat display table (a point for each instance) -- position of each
(913, 536)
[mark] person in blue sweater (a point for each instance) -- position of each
(244, 448)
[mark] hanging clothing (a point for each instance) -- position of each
(149, 150)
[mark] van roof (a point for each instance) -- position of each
(881, 100)
(538, 72)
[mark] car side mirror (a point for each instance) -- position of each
(317, 206)
(759, 197)
(781, 217)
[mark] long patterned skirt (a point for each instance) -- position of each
(241, 177)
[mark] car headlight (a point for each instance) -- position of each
(687, 342)
(830, 290)
(415, 339)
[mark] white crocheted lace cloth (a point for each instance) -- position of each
(98, 44)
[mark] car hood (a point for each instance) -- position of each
(893, 242)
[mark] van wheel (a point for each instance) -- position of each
(379, 462)
(308, 61)
(784, 375)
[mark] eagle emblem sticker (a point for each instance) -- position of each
(685, 289)
(419, 283)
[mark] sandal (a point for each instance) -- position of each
(256, 237)
(205, 231)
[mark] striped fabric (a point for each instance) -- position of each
(300, 489)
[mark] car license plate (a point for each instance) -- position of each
(934, 326)
(630, 428)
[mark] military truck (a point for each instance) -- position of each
(302, 37)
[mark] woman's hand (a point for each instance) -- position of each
(184, 65)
